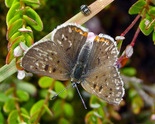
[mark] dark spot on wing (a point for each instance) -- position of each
(54, 69)
(94, 86)
(106, 96)
(46, 67)
(58, 61)
(68, 48)
(96, 76)
(105, 79)
(98, 61)
(110, 89)
(100, 88)
(52, 54)
(110, 93)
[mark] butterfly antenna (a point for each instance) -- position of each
(74, 85)
(61, 92)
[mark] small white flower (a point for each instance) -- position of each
(119, 38)
(147, 22)
(17, 52)
(129, 51)
(25, 30)
(21, 74)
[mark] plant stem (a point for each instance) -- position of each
(131, 25)
(16, 103)
(135, 37)
(45, 103)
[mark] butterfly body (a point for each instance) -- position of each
(73, 52)
(82, 60)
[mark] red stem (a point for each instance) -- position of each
(131, 25)
(135, 37)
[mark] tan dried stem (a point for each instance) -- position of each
(79, 18)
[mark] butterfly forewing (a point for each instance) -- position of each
(104, 52)
(102, 77)
(45, 59)
(70, 39)
(56, 57)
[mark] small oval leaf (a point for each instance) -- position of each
(45, 82)
(33, 19)
(137, 7)
(68, 110)
(13, 117)
(9, 105)
(59, 87)
(36, 107)
(22, 95)
(12, 11)
(14, 28)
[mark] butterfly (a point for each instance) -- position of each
(74, 53)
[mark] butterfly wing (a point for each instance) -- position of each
(55, 57)
(102, 77)
(71, 42)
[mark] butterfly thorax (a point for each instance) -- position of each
(82, 60)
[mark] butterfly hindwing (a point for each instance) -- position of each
(106, 84)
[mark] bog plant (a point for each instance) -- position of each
(17, 102)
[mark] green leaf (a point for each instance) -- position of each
(9, 57)
(48, 110)
(8, 3)
(68, 110)
(94, 103)
(25, 86)
(36, 107)
(1, 118)
(14, 28)
(12, 119)
(9, 91)
(22, 95)
(14, 36)
(3, 97)
(63, 121)
(152, 11)
(137, 7)
(153, 37)
(16, 42)
(9, 105)
(129, 71)
(59, 87)
(13, 11)
(29, 39)
(13, 19)
(25, 114)
(33, 19)
(137, 104)
(58, 108)
(33, 3)
(143, 26)
(45, 82)
(7, 70)
(91, 118)
(30, 33)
